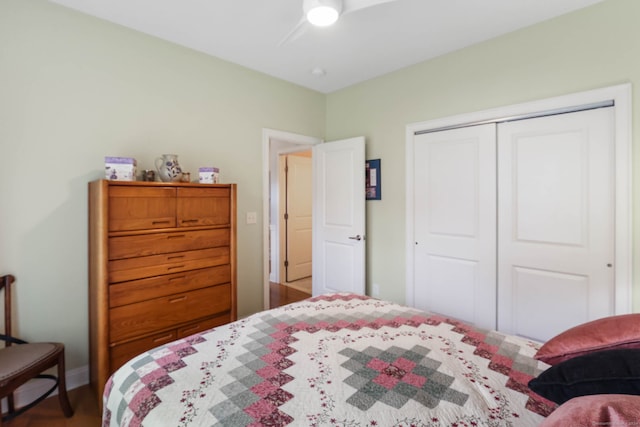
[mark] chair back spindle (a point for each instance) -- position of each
(6, 285)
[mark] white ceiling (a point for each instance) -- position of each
(361, 45)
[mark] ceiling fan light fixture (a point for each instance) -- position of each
(322, 16)
(322, 13)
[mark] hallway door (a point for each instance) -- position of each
(298, 259)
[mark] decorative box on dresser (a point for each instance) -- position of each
(162, 266)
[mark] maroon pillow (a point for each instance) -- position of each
(608, 333)
(596, 410)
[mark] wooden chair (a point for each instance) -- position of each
(21, 361)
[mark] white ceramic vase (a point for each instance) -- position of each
(168, 168)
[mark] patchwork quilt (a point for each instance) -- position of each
(333, 360)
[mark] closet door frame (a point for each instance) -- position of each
(620, 96)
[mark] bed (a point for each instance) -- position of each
(333, 360)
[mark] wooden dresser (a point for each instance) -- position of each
(162, 266)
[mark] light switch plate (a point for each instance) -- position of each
(252, 217)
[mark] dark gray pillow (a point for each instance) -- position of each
(600, 372)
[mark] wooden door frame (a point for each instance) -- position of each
(268, 135)
(621, 97)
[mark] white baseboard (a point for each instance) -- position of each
(27, 393)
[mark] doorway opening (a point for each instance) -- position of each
(295, 218)
(283, 238)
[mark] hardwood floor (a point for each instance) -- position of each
(49, 414)
(282, 295)
(85, 406)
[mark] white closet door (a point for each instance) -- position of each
(455, 223)
(556, 231)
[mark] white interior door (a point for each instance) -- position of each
(299, 217)
(455, 225)
(556, 229)
(339, 217)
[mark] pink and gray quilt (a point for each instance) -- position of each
(333, 360)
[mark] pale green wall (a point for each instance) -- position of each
(592, 48)
(74, 89)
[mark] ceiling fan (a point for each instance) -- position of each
(323, 13)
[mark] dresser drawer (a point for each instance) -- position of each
(141, 208)
(203, 325)
(124, 352)
(160, 286)
(162, 243)
(156, 265)
(203, 206)
(145, 317)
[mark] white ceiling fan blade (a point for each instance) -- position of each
(353, 5)
(296, 32)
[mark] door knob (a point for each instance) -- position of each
(358, 237)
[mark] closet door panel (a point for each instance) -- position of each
(457, 279)
(555, 244)
(550, 190)
(565, 299)
(455, 223)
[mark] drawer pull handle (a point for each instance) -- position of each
(176, 257)
(177, 266)
(179, 299)
(189, 220)
(163, 338)
(178, 278)
(161, 222)
(176, 236)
